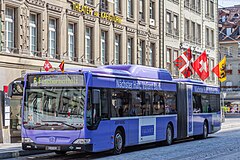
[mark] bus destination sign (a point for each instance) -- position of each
(56, 80)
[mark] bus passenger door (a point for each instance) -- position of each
(185, 116)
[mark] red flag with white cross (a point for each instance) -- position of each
(184, 63)
(47, 65)
(201, 67)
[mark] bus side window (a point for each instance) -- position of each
(146, 104)
(170, 105)
(158, 103)
(104, 103)
(198, 103)
(135, 108)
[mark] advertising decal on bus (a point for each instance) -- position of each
(204, 89)
(190, 110)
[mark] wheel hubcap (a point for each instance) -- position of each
(205, 131)
(118, 141)
(169, 135)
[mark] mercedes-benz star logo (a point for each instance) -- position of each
(52, 139)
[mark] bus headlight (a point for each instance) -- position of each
(82, 141)
(27, 140)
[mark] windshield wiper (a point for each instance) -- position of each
(33, 127)
(64, 124)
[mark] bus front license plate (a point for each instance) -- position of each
(51, 148)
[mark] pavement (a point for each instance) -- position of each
(13, 150)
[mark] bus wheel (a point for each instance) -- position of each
(205, 131)
(169, 135)
(118, 142)
(60, 152)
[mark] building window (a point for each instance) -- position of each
(175, 25)
(223, 19)
(193, 37)
(33, 34)
(151, 54)
(168, 59)
(228, 31)
(169, 24)
(89, 2)
(186, 29)
(212, 38)
(104, 5)
(207, 37)
(229, 69)
(211, 9)
(103, 47)
(71, 42)
(52, 38)
(129, 50)
(176, 70)
(193, 5)
(152, 10)
(186, 3)
(141, 10)
(130, 9)
(117, 49)
(230, 49)
(141, 52)
(88, 45)
(207, 8)
(9, 29)
(198, 34)
(198, 6)
(117, 6)
(212, 73)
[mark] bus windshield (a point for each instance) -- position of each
(54, 108)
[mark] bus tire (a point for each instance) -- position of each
(169, 135)
(60, 152)
(205, 130)
(118, 142)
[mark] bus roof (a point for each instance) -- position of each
(138, 71)
(192, 81)
(187, 80)
(130, 71)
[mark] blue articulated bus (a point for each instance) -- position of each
(114, 106)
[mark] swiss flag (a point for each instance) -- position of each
(61, 66)
(47, 65)
(184, 63)
(201, 66)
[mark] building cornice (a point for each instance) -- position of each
(54, 8)
(39, 3)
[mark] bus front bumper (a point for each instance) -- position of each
(70, 147)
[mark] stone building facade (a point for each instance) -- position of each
(190, 24)
(229, 41)
(86, 33)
